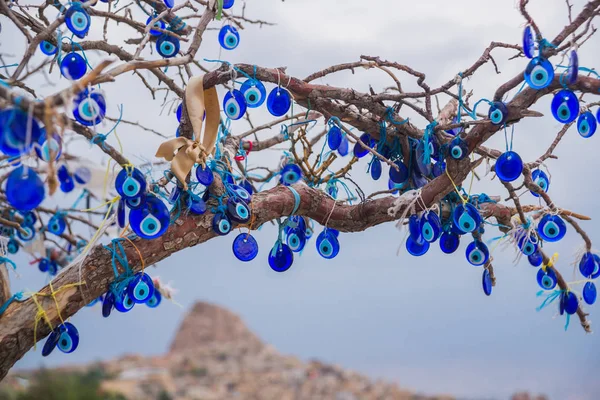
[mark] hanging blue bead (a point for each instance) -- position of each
(169, 3)
(29, 218)
(430, 226)
(527, 245)
(328, 245)
(419, 158)
(418, 180)
(67, 185)
(48, 48)
(290, 174)
(51, 342)
(394, 186)
(455, 131)
(570, 303)
(89, 107)
(69, 337)
(196, 205)
(136, 202)
(296, 239)
(141, 288)
(73, 66)
(24, 189)
(399, 175)
(477, 253)
(565, 106)
(245, 247)
(458, 148)
(546, 279)
(82, 175)
(63, 173)
(180, 110)
(279, 101)
(344, 146)
(552, 228)
(498, 113)
(539, 73)
(158, 24)
(334, 137)
(540, 178)
(44, 265)
(57, 224)
(280, 257)
(77, 20)
(130, 183)
(12, 246)
(108, 304)
(167, 46)
(229, 38)
(573, 70)
(254, 92)
(155, 300)
(586, 124)
(121, 213)
(124, 303)
(486, 282)
(375, 168)
(48, 148)
(221, 224)
(590, 293)
(227, 4)
(466, 217)
(587, 265)
(151, 220)
(439, 168)
(449, 242)
(415, 247)
(18, 132)
(360, 150)
(528, 42)
(535, 259)
(509, 166)
(238, 210)
(204, 175)
(414, 228)
(234, 104)
(243, 192)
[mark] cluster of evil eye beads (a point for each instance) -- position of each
(252, 94)
(122, 297)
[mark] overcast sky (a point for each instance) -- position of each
(424, 322)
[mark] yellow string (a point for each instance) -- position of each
(456, 188)
(111, 203)
(52, 293)
(472, 175)
(105, 185)
(119, 141)
(550, 262)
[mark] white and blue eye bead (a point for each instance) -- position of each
(157, 25)
(48, 148)
(12, 246)
(546, 279)
(221, 224)
(458, 149)
(130, 183)
(527, 245)
(586, 124)
(77, 20)
(477, 253)
(238, 210)
(242, 193)
(124, 303)
(141, 288)
(48, 48)
(552, 228)
(57, 224)
(328, 245)
(539, 73)
(565, 106)
(498, 113)
(296, 239)
(234, 104)
(90, 107)
(68, 339)
(151, 220)
(167, 46)
(541, 179)
(254, 92)
(290, 174)
(430, 226)
(229, 38)
(466, 217)
(136, 202)
(155, 300)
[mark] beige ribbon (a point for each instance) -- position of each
(183, 153)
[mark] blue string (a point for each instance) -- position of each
(8, 66)
(296, 199)
(426, 139)
(118, 254)
(389, 113)
(17, 296)
(550, 297)
(6, 260)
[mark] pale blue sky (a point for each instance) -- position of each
(423, 322)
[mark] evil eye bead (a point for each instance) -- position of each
(527, 245)
(238, 210)
(57, 224)
(196, 205)
(458, 148)
(423, 166)
(590, 293)
(477, 253)
(449, 242)
(430, 226)
(167, 46)
(121, 213)
(155, 300)
(141, 288)
(498, 113)
(48, 48)
(375, 169)
(229, 38)
(12, 246)
(486, 282)
(227, 4)
(204, 175)
(48, 148)
(466, 217)
(24, 189)
(296, 239)
(552, 228)
(135, 202)
(328, 245)
(29, 218)
(535, 259)
(179, 111)
(344, 147)
(73, 66)
(68, 339)
(245, 247)
(130, 183)
(569, 302)
(44, 265)
(416, 248)
(18, 131)
(439, 168)
(528, 42)
(234, 104)
(334, 137)
(361, 148)
(77, 20)
(565, 106)
(221, 224)
(169, 3)
(573, 70)
(158, 24)
(242, 193)
(51, 342)
(596, 272)
(124, 303)
(586, 124)
(151, 220)
(279, 102)
(539, 73)
(541, 179)
(290, 174)
(26, 233)
(399, 175)
(108, 304)
(587, 265)
(90, 108)
(281, 257)
(509, 166)
(546, 279)
(455, 131)
(254, 92)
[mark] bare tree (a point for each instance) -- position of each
(425, 192)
